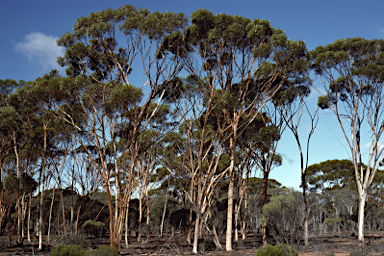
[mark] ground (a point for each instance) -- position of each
(326, 245)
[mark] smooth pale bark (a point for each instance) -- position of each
(148, 214)
(264, 224)
(18, 206)
(238, 208)
(126, 225)
(117, 209)
(215, 236)
(63, 211)
(51, 207)
(361, 218)
(24, 209)
(29, 218)
(165, 208)
(117, 195)
(216, 239)
(244, 218)
(196, 234)
(140, 218)
(77, 218)
(40, 223)
(50, 214)
(198, 214)
(111, 226)
(228, 236)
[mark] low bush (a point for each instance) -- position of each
(105, 250)
(359, 252)
(69, 250)
(277, 250)
(93, 228)
(77, 239)
(206, 245)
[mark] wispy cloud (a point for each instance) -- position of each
(381, 30)
(42, 49)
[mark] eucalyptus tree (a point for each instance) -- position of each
(10, 121)
(290, 105)
(41, 131)
(266, 156)
(93, 57)
(352, 73)
(236, 60)
(330, 175)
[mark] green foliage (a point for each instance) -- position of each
(93, 228)
(332, 221)
(277, 250)
(69, 250)
(105, 250)
(353, 68)
(283, 215)
(94, 35)
(24, 184)
(357, 253)
(330, 175)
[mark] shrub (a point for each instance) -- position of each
(356, 253)
(105, 250)
(77, 239)
(93, 228)
(206, 245)
(277, 250)
(69, 250)
(359, 252)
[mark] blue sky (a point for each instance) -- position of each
(30, 28)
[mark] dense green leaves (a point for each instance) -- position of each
(353, 67)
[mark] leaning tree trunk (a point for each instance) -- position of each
(63, 211)
(216, 239)
(165, 209)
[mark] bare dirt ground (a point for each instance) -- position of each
(325, 245)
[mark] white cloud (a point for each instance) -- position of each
(381, 30)
(42, 49)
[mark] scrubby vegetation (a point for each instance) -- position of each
(184, 158)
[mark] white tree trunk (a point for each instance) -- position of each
(361, 217)
(126, 226)
(29, 218)
(196, 235)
